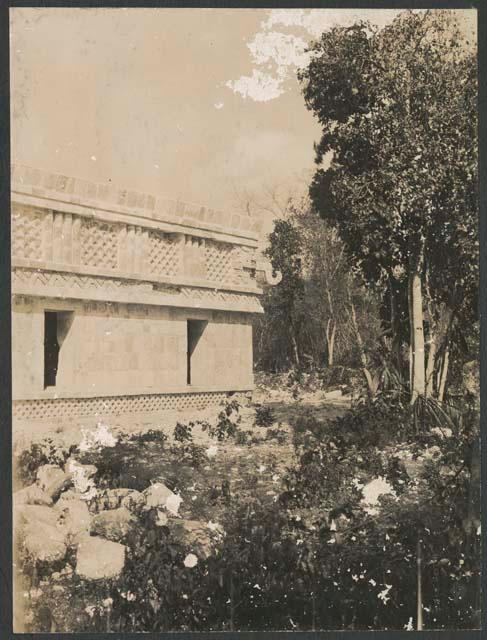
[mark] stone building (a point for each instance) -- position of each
(126, 304)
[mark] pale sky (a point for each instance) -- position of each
(196, 104)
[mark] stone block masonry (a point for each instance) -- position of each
(125, 302)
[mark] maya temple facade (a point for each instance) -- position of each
(127, 304)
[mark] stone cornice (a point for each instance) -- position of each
(51, 190)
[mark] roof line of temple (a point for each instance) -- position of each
(45, 184)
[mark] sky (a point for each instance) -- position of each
(197, 104)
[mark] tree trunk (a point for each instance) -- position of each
(430, 367)
(444, 373)
(295, 348)
(330, 333)
(395, 326)
(416, 327)
(419, 589)
(330, 340)
(440, 329)
(371, 383)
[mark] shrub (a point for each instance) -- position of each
(183, 432)
(280, 435)
(264, 416)
(227, 422)
(39, 453)
(151, 435)
(188, 453)
(243, 437)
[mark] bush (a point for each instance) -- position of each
(227, 422)
(188, 453)
(264, 416)
(151, 435)
(280, 435)
(40, 453)
(243, 437)
(183, 432)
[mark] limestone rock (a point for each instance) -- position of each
(99, 559)
(111, 498)
(32, 495)
(52, 480)
(73, 466)
(81, 475)
(114, 524)
(133, 501)
(68, 495)
(331, 395)
(73, 515)
(25, 514)
(37, 529)
(156, 495)
(194, 534)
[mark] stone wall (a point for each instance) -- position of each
(120, 349)
(125, 273)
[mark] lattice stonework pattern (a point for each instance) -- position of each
(249, 301)
(34, 277)
(99, 244)
(219, 264)
(27, 234)
(67, 408)
(243, 262)
(164, 254)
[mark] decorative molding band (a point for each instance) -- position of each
(52, 238)
(74, 408)
(64, 285)
(170, 281)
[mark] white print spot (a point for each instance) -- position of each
(101, 437)
(383, 595)
(372, 490)
(190, 561)
(409, 625)
(212, 451)
(82, 483)
(260, 86)
(173, 503)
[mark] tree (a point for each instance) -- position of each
(307, 315)
(325, 271)
(398, 112)
(284, 305)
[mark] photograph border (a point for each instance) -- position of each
(6, 600)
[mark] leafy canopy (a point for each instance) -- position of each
(398, 114)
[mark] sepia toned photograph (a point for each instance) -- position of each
(245, 323)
